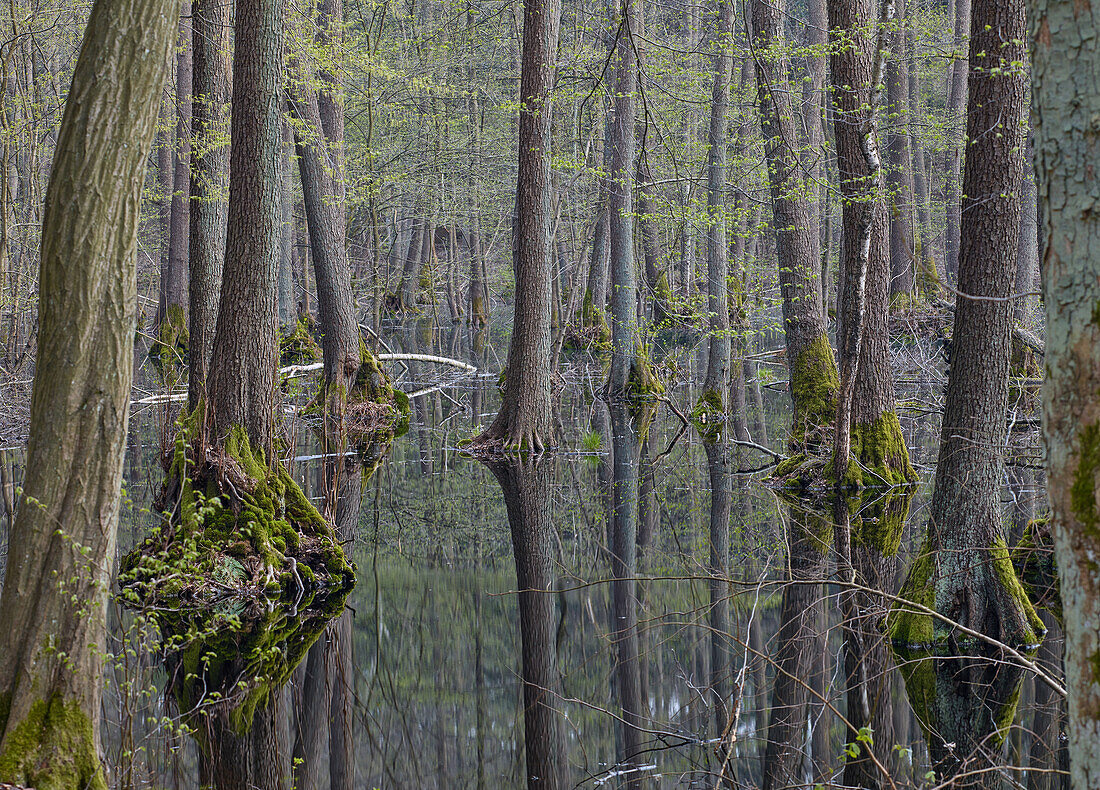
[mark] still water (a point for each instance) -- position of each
(636, 610)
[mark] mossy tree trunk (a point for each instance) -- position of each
(525, 483)
(62, 547)
(241, 387)
(209, 183)
(524, 421)
(963, 570)
(1066, 71)
(812, 368)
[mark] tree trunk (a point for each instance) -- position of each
(899, 158)
(813, 373)
(957, 122)
(524, 421)
(51, 636)
(242, 381)
(525, 483)
(209, 183)
(715, 395)
(287, 308)
(179, 224)
(410, 276)
(1066, 102)
(620, 206)
(963, 569)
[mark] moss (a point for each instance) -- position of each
(170, 347)
(1034, 562)
(883, 457)
(592, 332)
(814, 387)
(881, 520)
(1005, 574)
(643, 384)
(53, 748)
(708, 416)
(300, 347)
(1083, 490)
(906, 626)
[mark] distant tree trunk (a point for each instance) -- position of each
(925, 245)
(715, 393)
(620, 205)
(1027, 251)
(956, 126)
(524, 420)
(527, 498)
(478, 298)
(1067, 102)
(287, 310)
(179, 224)
(814, 154)
(210, 24)
(813, 373)
(242, 379)
(656, 272)
(165, 174)
(963, 570)
(899, 158)
(719, 459)
(410, 276)
(53, 607)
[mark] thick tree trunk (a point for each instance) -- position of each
(963, 569)
(812, 369)
(620, 206)
(209, 183)
(51, 636)
(524, 421)
(525, 483)
(1066, 71)
(242, 382)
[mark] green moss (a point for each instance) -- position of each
(170, 347)
(1034, 562)
(881, 520)
(883, 457)
(708, 416)
(789, 465)
(814, 387)
(907, 626)
(53, 748)
(643, 383)
(300, 347)
(1083, 491)
(1005, 574)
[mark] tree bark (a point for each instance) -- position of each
(65, 530)
(1065, 72)
(524, 420)
(242, 382)
(179, 224)
(899, 158)
(956, 127)
(209, 183)
(963, 569)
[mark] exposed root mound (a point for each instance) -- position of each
(233, 527)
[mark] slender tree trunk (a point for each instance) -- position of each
(524, 420)
(242, 382)
(899, 158)
(287, 308)
(957, 126)
(1065, 69)
(65, 530)
(716, 385)
(813, 373)
(620, 205)
(963, 569)
(179, 224)
(209, 183)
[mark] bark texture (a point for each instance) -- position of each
(1066, 71)
(242, 383)
(53, 605)
(963, 570)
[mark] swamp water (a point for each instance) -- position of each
(661, 647)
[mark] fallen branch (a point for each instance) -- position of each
(427, 358)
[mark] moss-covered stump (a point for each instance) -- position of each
(234, 527)
(643, 385)
(172, 341)
(953, 583)
(224, 665)
(591, 332)
(965, 706)
(1034, 562)
(300, 346)
(373, 409)
(814, 387)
